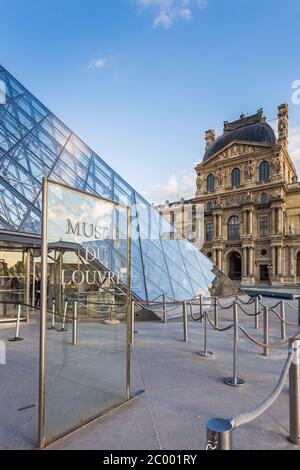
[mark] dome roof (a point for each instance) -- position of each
(259, 132)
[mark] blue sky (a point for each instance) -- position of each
(141, 80)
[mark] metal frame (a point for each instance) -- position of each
(43, 318)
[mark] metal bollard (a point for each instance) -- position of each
(185, 322)
(165, 309)
(282, 314)
(266, 350)
(17, 337)
(294, 393)
(205, 352)
(216, 313)
(52, 327)
(219, 434)
(235, 381)
(63, 328)
(75, 325)
(201, 308)
(299, 311)
(256, 318)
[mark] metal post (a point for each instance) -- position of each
(266, 351)
(75, 325)
(205, 352)
(200, 308)
(17, 338)
(216, 313)
(282, 314)
(294, 393)
(132, 321)
(235, 381)
(63, 328)
(219, 434)
(164, 308)
(299, 311)
(185, 322)
(52, 327)
(256, 318)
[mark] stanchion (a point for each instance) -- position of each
(164, 309)
(299, 311)
(219, 434)
(205, 352)
(52, 327)
(185, 322)
(201, 308)
(75, 326)
(63, 324)
(132, 322)
(256, 318)
(17, 337)
(266, 350)
(216, 313)
(282, 314)
(294, 393)
(235, 381)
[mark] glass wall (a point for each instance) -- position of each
(86, 369)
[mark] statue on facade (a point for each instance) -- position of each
(199, 182)
(219, 176)
(249, 170)
(291, 229)
(276, 165)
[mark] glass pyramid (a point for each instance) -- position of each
(34, 143)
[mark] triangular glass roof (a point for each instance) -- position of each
(34, 143)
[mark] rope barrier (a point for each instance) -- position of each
(282, 319)
(264, 345)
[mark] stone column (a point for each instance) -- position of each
(214, 253)
(251, 270)
(244, 267)
(291, 263)
(220, 226)
(250, 223)
(219, 257)
(273, 220)
(274, 261)
(279, 259)
(215, 226)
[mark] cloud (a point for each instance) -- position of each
(98, 63)
(176, 187)
(167, 12)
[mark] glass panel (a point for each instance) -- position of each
(87, 277)
(12, 282)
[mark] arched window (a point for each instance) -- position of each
(236, 177)
(210, 206)
(264, 171)
(210, 183)
(234, 225)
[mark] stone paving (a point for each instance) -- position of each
(182, 390)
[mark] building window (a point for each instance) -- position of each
(264, 226)
(234, 226)
(210, 183)
(264, 171)
(209, 232)
(210, 206)
(236, 177)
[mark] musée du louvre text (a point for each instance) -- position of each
(91, 231)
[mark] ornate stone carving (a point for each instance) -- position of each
(199, 182)
(283, 124)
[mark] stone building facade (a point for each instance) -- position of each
(249, 188)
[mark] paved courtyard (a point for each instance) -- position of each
(182, 390)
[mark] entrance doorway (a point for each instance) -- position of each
(264, 272)
(235, 266)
